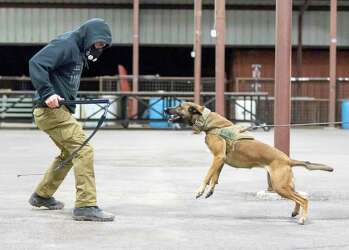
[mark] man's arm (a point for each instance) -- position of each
(40, 66)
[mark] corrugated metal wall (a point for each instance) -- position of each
(41, 25)
(165, 26)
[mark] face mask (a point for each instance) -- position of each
(92, 53)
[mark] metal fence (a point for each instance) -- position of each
(114, 83)
(309, 97)
(16, 106)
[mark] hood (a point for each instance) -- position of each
(94, 30)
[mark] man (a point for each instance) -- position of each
(55, 72)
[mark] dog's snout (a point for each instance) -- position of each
(167, 110)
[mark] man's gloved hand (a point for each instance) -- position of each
(53, 101)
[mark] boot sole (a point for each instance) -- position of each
(85, 218)
(57, 207)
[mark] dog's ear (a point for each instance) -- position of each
(192, 110)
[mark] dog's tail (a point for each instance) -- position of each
(311, 166)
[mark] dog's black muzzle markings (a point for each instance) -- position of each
(173, 115)
(167, 111)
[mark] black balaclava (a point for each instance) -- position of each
(92, 53)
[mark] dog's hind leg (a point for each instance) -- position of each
(297, 205)
(295, 210)
(300, 202)
(288, 193)
(304, 204)
(282, 181)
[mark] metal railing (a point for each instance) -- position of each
(310, 97)
(16, 106)
(114, 83)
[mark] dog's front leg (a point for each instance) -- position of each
(214, 181)
(218, 148)
(217, 164)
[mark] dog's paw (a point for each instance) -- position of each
(199, 194)
(200, 191)
(301, 221)
(209, 193)
(294, 214)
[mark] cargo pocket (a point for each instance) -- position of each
(60, 115)
(51, 118)
(73, 134)
(40, 117)
(38, 112)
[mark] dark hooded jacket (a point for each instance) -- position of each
(57, 68)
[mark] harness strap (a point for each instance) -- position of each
(201, 123)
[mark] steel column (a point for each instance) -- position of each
(135, 53)
(302, 10)
(333, 61)
(197, 50)
(282, 105)
(220, 54)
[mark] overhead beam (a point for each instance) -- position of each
(268, 7)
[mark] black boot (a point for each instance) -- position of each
(50, 203)
(92, 213)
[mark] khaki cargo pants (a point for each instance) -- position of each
(67, 134)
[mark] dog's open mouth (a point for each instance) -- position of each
(175, 118)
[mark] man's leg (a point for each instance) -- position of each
(69, 134)
(53, 177)
(49, 120)
(85, 205)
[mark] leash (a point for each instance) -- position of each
(99, 124)
(264, 126)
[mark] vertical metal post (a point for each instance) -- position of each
(333, 60)
(282, 80)
(299, 72)
(101, 83)
(220, 54)
(302, 10)
(135, 53)
(282, 105)
(197, 50)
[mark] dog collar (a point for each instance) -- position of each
(201, 123)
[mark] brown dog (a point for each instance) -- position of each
(228, 145)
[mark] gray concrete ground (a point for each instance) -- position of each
(148, 179)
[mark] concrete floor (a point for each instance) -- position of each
(148, 179)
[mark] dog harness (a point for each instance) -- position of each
(201, 123)
(230, 134)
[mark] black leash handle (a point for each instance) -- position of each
(70, 102)
(91, 101)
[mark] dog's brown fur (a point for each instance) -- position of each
(246, 154)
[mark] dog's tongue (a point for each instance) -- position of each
(173, 118)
